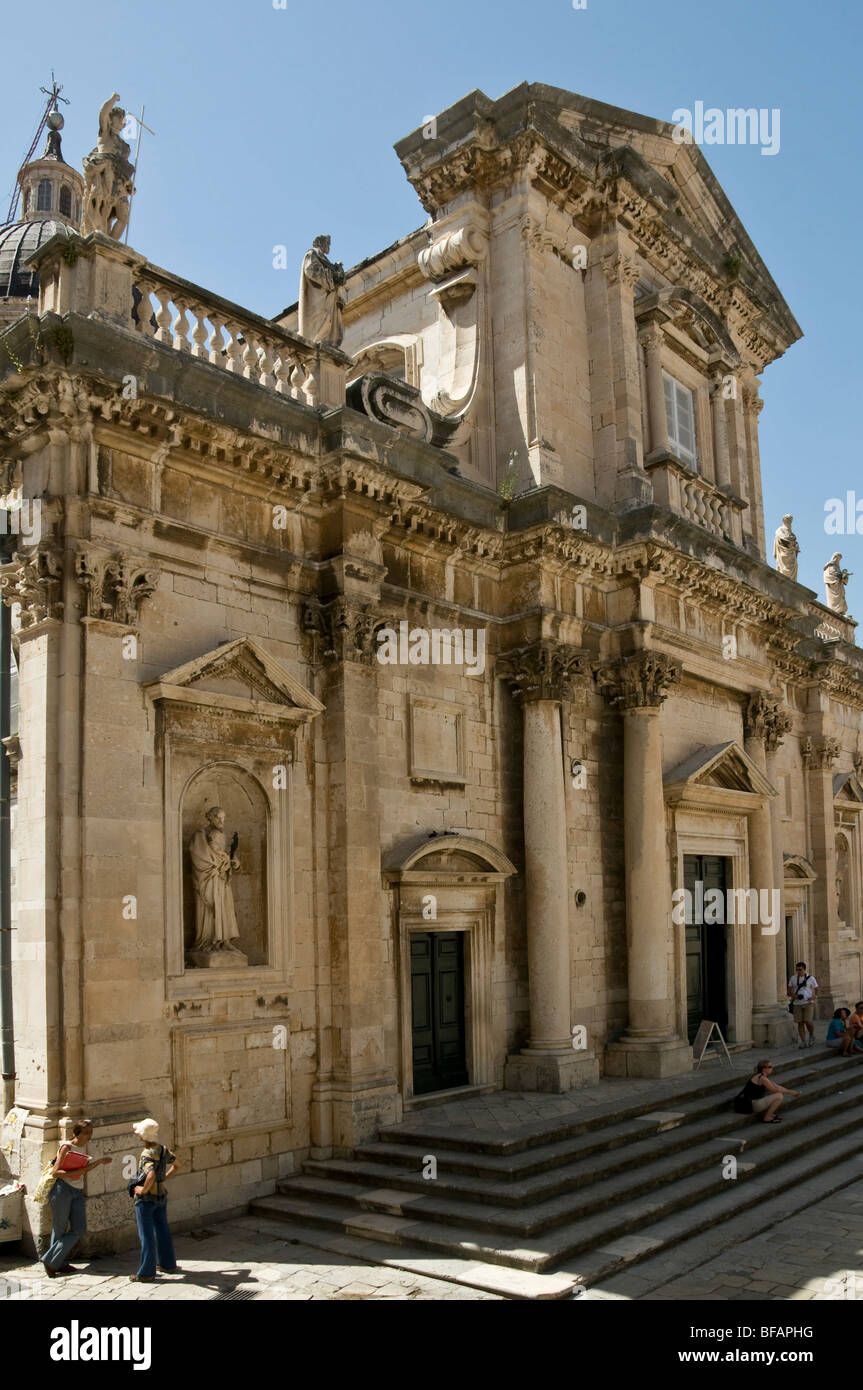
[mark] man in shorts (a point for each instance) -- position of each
(803, 991)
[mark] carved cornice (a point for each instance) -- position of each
(115, 586)
(822, 755)
(342, 630)
(544, 671)
(560, 546)
(36, 582)
(640, 681)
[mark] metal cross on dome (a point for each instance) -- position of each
(53, 95)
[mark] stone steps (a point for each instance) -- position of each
(585, 1197)
(501, 1185)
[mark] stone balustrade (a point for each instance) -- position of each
(716, 510)
(100, 278)
(192, 320)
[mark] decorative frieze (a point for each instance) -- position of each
(544, 671)
(36, 582)
(640, 681)
(115, 586)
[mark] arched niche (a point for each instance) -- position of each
(247, 814)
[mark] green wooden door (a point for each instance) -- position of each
(706, 988)
(437, 1011)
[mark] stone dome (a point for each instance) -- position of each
(18, 241)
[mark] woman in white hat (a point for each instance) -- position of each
(158, 1164)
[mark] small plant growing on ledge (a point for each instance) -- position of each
(70, 254)
(63, 340)
(732, 264)
(509, 481)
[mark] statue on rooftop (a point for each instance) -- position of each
(321, 304)
(786, 549)
(108, 176)
(835, 579)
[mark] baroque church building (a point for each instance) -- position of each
(388, 666)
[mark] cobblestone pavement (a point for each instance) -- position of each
(817, 1254)
(233, 1263)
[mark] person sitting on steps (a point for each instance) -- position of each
(839, 1036)
(761, 1096)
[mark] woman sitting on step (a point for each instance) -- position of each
(839, 1036)
(761, 1096)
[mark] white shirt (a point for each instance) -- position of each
(806, 991)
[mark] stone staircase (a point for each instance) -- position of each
(567, 1202)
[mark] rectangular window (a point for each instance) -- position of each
(680, 418)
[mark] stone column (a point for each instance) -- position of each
(540, 677)
(819, 758)
(721, 457)
(778, 725)
(752, 407)
(650, 1046)
(356, 1088)
(651, 339)
(762, 723)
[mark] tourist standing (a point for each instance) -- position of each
(68, 1204)
(803, 991)
(157, 1165)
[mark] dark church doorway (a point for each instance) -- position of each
(706, 966)
(437, 1011)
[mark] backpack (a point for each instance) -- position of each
(141, 1176)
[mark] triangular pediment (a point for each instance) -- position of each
(724, 767)
(847, 786)
(239, 674)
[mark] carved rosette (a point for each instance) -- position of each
(544, 671)
(641, 681)
(342, 630)
(766, 719)
(822, 755)
(36, 582)
(115, 585)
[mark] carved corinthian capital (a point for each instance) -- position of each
(821, 755)
(640, 681)
(544, 671)
(342, 630)
(36, 582)
(766, 719)
(115, 586)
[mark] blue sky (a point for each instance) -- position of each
(274, 125)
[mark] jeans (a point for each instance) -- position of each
(152, 1219)
(67, 1210)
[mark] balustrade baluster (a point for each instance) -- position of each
(199, 332)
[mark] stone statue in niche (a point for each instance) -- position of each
(321, 303)
(786, 549)
(835, 579)
(216, 930)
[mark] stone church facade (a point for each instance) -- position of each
(537, 441)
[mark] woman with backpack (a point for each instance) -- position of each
(68, 1210)
(149, 1189)
(760, 1095)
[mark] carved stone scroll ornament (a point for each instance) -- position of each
(393, 403)
(108, 176)
(115, 585)
(451, 263)
(544, 671)
(467, 246)
(36, 583)
(640, 681)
